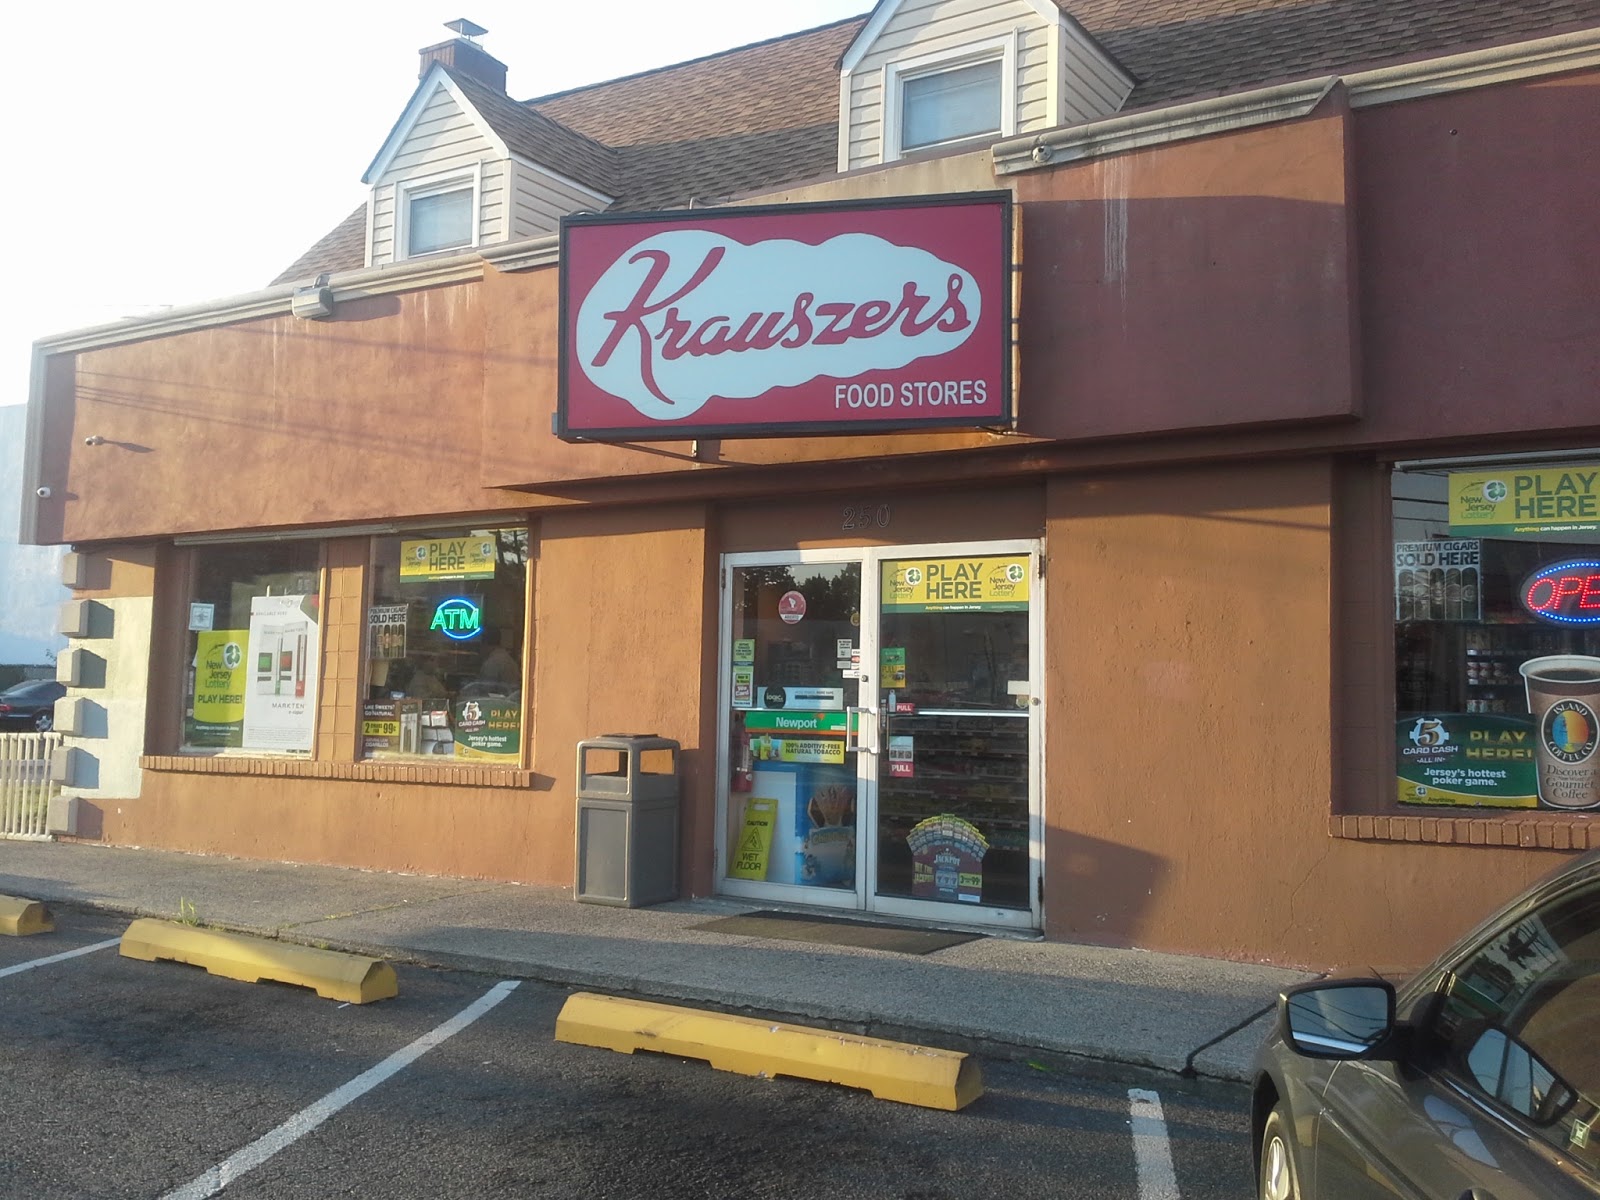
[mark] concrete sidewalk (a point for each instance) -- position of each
(996, 995)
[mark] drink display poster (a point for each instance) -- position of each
(1438, 581)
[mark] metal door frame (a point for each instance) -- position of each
(869, 757)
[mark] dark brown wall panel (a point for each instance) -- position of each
(1192, 286)
(1481, 301)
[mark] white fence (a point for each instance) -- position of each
(25, 787)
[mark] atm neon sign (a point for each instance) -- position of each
(457, 618)
(1566, 593)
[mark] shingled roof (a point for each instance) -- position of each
(764, 115)
(1188, 49)
(531, 134)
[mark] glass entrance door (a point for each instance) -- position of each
(795, 783)
(882, 731)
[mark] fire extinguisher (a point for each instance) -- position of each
(743, 777)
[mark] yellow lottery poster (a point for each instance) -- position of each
(754, 846)
(1506, 503)
(448, 558)
(219, 681)
(979, 584)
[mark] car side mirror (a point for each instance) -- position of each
(1345, 1019)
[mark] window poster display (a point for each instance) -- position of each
(797, 824)
(1437, 581)
(280, 695)
(470, 556)
(445, 662)
(386, 632)
(947, 859)
(977, 584)
(216, 717)
(489, 728)
(1497, 638)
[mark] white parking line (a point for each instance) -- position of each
(1152, 1151)
(55, 958)
(214, 1179)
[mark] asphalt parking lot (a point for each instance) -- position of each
(158, 1080)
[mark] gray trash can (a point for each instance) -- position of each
(627, 820)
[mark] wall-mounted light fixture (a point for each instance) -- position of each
(313, 302)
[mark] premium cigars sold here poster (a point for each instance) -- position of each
(821, 318)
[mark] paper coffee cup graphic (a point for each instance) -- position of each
(1564, 698)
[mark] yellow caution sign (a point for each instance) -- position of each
(755, 840)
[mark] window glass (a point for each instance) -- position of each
(439, 221)
(947, 105)
(444, 646)
(1497, 635)
(1520, 1022)
(253, 648)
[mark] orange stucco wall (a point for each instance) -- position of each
(619, 626)
(1329, 290)
(1188, 763)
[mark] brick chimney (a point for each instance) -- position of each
(465, 57)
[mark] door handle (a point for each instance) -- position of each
(1476, 1194)
(856, 721)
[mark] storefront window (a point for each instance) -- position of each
(253, 648)
(1497, 634)
(444, 646)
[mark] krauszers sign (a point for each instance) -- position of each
(808, 318)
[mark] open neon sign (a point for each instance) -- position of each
(1567, 593)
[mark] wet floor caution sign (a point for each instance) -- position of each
(755, 840)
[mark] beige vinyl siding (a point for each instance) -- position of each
(930, 27)
(1088, 85)
(539, 201)
(1091, 86)
(1033, 81)
(444, 140)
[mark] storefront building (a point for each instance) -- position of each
(1129, 516)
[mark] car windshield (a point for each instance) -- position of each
(31, 690)
(1519, 1020)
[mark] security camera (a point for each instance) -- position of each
(94, 439)
(43, 493)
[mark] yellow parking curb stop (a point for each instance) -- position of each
(20, 917)
(332, 974)
(897, 1071)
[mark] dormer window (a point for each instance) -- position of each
(938, 100)
(439, 214)
(946, 106)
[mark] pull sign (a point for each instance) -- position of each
(1566, 593)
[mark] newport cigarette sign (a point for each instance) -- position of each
(822, 318)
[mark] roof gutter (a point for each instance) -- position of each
(1181, 122)
(1366, 89)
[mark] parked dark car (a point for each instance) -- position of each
(30, 705)
(1479, 1080)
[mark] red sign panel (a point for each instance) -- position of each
(1567, 593)
(809, 318)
